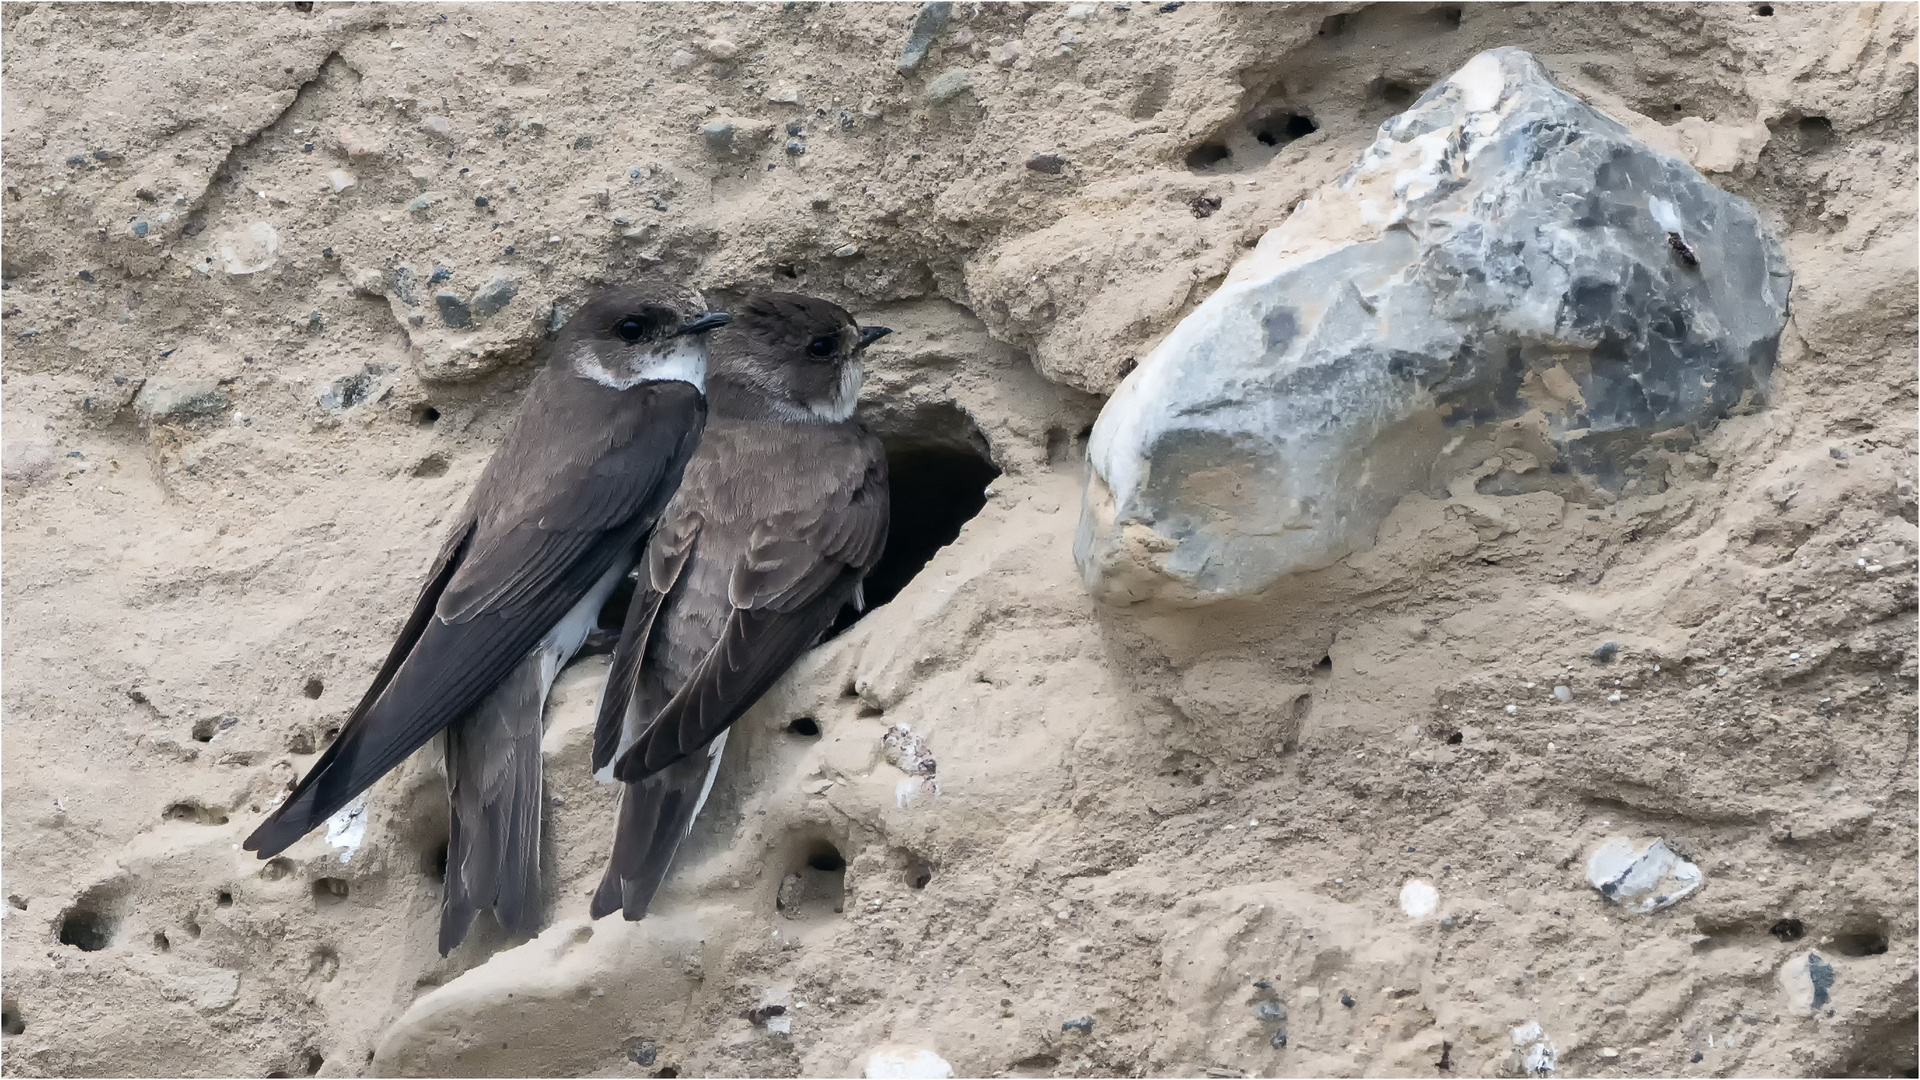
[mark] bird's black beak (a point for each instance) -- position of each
(871, 334)
(705, 321)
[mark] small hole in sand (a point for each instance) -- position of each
(329, 891)
(324, 964)
(86, 929)
(161, 943)
(1788, 930)
(10, 1022)
(225, 899)
(314, 688)
(193, 929)
(919, 874)
(1861, 943)
(1207, 155)
(277, 869)
(18, 901)
(314, 1061)
(829, 860)
(1456, 738)
(430, 466)
(425, 415)
(203, 729)
(669, 1072)
(1764, 11)
(806, 727)
(1324, 666)
(198, 815)
(433, 862)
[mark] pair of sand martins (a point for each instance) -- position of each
(748, 503)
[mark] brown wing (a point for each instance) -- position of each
(799, 570)
(551, 515)
(667, 554)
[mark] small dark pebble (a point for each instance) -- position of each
(140, 228)
(766, 1012)
(73, 453)
(1606, 652)
(102, 155)
(453, 310)
(795, 147)
(1051, 164)
(313, 320)
(1836, 453)
(86, 275)
(510, 249)
(584, 142)
(440, 274)
(1279, 1040)
(1698, 1057)
(1085, 1023)
(1203, 206)
(644, 1054)
(479, 200)
(164, 353)
(1346, 999)
(1175, 6)
(326, 253)
(306, 148)
(77, 159)
(794, 127)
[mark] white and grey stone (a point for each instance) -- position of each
(1501, 254)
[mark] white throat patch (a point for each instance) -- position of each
(845, 396)
(684, 359)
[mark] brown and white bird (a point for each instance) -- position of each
(782, 513)
(558, 518)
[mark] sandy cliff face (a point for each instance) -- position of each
(276, 275)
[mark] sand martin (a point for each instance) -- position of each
(782, 513)
(559, 515)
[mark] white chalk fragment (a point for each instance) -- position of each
(1419, 899)
(1641, 876)
(906, 1063)
(348, 828)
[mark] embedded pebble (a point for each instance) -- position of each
(340, 179)
(927, 24)
(1606, 652)
(494, 296)
(846, 251)
(906, 1063)
(1563, 693)
(1418, 899)
(717, 133)
(1536, 1052)
(140, 228)
(948, 85)
(1084, 1023)
(178, 399)
(1050, 164)
(453, 310)
(437, 125)
(1642, 876)
(1807, 982)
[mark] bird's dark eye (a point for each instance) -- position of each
(823, 346)
(631, 329)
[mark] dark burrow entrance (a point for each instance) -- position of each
(938, 469)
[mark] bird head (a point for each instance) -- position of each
(793, 357)
(640, 333)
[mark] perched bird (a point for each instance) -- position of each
(782, 513)
(559, 516)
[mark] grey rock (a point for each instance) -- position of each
(440, 274)
(1269, 1011)
(795, 147)
(1279, 1039)
(948, 85)
(179, 399)
(1642, 876)
(494, 296)
(453, 310)
(1606, 652)
(718, 135)
(403, 282)
(347, 391)
(1050, 164)
(1498, 256)
(141, 228)
(1085, 1024)
(1806, 981)
(927, 25)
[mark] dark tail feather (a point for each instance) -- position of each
(654, 816)
(493, 784)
